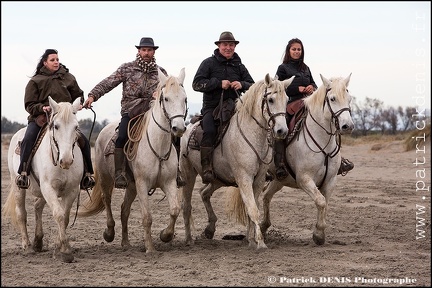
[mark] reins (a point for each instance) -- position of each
(321, 149)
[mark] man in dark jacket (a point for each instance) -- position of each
(220, 75)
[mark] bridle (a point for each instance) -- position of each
(335, 120)
(53, 141)
(170, 119)
(270, 124)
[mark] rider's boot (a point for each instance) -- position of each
(206, 163)
(179, 180)
(279, 159)
(23, 180)
(119, 164)
(88, 181)
(345, 167)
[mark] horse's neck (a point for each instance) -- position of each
(159, 125)
(319, 130)
(253, 127)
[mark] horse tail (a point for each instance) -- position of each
(235, 207)
(9, 207)
(94, 203)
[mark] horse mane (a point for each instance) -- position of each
(315, 101)
(64, 112)
(170, 85)
(246, 104)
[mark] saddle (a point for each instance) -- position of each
(296, 113)
(222, 115)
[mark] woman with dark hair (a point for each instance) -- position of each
(303, 85)
(51, 78)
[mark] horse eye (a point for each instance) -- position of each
(271, 101)
(333, 99)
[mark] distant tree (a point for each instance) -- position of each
(10, 127)
(367, 115)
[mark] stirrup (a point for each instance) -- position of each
(345, 167)
(87, 182)
(268, 177)
(207, 177)
(120, 181)
(281, 172)
(180, 182)
(22, 181)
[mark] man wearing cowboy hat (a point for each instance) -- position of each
(140, 79)
(221, 75)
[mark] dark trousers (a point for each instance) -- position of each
(27, 144)
(209, 128)
(122, 131)
(84, 144)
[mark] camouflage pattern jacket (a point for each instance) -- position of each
(137, 85)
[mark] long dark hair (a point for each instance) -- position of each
(287, 57)
(44, 58)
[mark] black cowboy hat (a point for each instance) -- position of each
(226, 37)
(146, 42)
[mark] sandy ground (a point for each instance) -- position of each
(375, 237)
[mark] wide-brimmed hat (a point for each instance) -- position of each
(226, 37)
(146, 42)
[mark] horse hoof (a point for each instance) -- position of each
(37, 245)
(318, 240)
(108, 237)
(208, 234)
(166, 237)
(67, 258)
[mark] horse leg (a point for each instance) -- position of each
(187, 208)
(253, 213)
(21, 214)
(146, 215)
(206, 193)
(39, 204)
(269, 192)
(321, 203)
(167, 234)
(129, 197)
(109, 232)
(61, 217)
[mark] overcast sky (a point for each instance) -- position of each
(385, 45)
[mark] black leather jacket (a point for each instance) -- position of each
(303, 78)
(211, 72)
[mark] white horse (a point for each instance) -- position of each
(242, 157)
(314, 153)
(57, 168)
(154, 165)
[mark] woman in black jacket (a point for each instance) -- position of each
(303, 85)
(221, 75)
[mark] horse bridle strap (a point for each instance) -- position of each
(52, 139)
(250, 145)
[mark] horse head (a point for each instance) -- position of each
(173, 100)
(275, 101)
(333, 101)
(63, 131)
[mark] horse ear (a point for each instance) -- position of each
(267, 79)
(76, 104)
(346, 80)
(54, 105)
(162, 77)
(182, 75)
(326, 82)
(288, 82)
